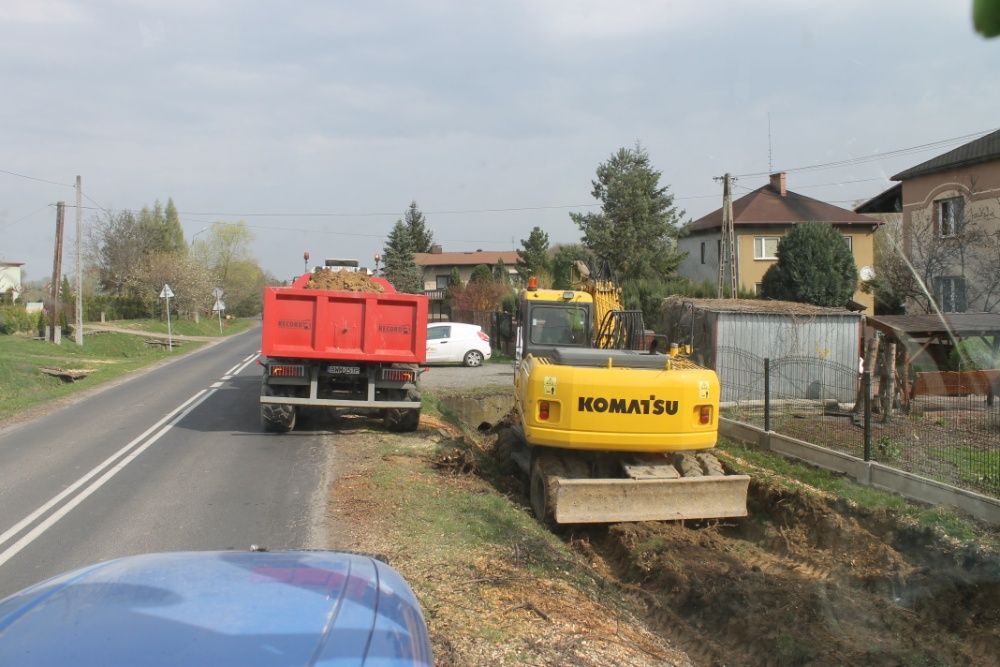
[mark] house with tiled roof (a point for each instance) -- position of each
(760, 218)
(950, 209)
(436, 267)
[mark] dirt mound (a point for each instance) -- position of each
(806, 579)
(342, 281)
(804, 582)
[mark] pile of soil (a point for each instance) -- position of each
(806, 579)
(342, 281)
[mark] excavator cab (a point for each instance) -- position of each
(550, 319)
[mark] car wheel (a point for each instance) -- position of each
(473, 358)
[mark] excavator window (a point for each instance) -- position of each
(558, 325)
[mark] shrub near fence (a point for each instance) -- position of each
(15, 319)
(954, 439)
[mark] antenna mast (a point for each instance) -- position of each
(770, 166)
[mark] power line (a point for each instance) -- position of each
(876, 156)
(33, 178)
(24, 217)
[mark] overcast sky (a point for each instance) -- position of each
(292, 109)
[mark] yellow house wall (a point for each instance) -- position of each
(751, 271)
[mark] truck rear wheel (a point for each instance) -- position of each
(402, 419)
(276, 418)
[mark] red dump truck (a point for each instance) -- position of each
(356, 352)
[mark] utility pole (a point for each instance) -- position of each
(78, 332)
(57, 271)
(727, 246)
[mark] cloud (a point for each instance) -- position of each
(41, 12)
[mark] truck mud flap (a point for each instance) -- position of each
(617, 500)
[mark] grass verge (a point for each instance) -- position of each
(107, 355)
(496, 587)
(185, 327)
(941, 519)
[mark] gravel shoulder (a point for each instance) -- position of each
(437, 378)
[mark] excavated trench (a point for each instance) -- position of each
(805, 579)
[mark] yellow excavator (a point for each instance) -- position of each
(608, 430)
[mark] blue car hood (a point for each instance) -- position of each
(218, 608)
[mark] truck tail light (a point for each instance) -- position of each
(483, 336)
(287, 370)
(704, 414)
(543, 410)
(398, 375)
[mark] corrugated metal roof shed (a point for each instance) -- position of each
(820, 346)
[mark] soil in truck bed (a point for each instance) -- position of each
(342, 281)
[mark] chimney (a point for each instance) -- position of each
(435, 249)
(778, 183)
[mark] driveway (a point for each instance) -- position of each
(460, 377)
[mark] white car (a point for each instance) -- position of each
(457, 343)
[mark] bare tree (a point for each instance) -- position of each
(190, 282)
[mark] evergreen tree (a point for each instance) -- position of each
(481, 274)
(814, 266)
(400, 269)
(500, 273)
(161, 234)
(564, 259)
(533, 257)
(416, 225)
(454, 278)
(173, 233)
(637, 228)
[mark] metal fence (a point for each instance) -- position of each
(954, 438)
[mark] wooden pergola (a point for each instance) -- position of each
(925, 336)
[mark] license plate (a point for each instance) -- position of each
(344, 370)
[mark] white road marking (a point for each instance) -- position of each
(140, 444)
(20, 525)
(246, 363)
(14, 549)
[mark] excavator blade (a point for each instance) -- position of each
(617, 500)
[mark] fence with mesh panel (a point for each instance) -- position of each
(952, 437)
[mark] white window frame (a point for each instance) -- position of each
(759, 247)
(849, 240)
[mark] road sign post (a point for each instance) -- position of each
(219, 306)
(166, 293)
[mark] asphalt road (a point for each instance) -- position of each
(172, 459)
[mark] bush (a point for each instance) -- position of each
(647, 295)
(15, 319)
(116, 308)
(971, 355)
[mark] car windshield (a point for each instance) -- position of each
(629, 333)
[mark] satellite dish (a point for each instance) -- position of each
(867, 273)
